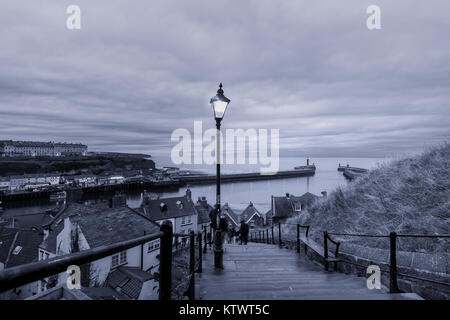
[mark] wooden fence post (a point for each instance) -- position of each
(204, 245)
(273, 236)
(298, 238)
(279, 233)
(393, 285)
(165, 264)
(210, 236)
(192, 265)
(200, 256)
(325, 249)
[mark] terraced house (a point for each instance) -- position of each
(86, 226)
(10, 148)
(179, 210)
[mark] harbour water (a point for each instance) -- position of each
(237, 194)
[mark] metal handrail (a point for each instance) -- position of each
(358, 235)
(393, 249)
(387, 236)
(16, 276)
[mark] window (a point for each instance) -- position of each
(186, 220)
(17, 250)
(298, 207)
(118, 259)
(153, 245)
(123, 257)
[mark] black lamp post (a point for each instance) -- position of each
(219, 104)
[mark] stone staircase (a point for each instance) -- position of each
(261, 271)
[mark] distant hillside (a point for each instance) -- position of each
(97, 164)
(411, 195)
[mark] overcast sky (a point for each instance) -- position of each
(137, 70)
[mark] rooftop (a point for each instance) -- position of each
(18, 247)
(166, 208)
(285, 206)
(128, 281)
(101, 225)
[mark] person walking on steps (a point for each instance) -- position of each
(243, 232)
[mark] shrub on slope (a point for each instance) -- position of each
(408, 196)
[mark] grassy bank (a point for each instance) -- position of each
(407, 196)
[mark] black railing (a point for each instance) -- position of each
(23, 274)
(255, 236)
(327, 259)
(195, 265)
(262, 236)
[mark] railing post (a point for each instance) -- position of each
(260, 238)
(298, 238)
(210, 236)
(273, 236)
(200, 256)
(192, 265)
(204, 246)
(165, 264)
(325, 249)
(176, 244)
(279, 232)
(267, 235)
(393, 286)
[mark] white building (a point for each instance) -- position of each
(10, 148)
(179, 210)
(88, 226)
(28, 180)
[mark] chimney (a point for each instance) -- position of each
(324, 193)
(287, 195)
(307, 161)
(188, 194)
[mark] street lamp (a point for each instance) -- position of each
(219, 104)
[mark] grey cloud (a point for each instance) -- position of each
(138, 70)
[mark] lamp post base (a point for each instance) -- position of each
(218, 251)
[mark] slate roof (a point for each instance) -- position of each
(11, 239)
(101, 225)
(128, 281)
(103, 293)
(249, 212)
(167, 208)
(231, 215)
(29, 221)
(285, 206)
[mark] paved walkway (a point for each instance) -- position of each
(261, 271)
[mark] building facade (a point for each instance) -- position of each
(180, 211)
(88, 226)
(10, 148)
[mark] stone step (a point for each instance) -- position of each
(262, 271)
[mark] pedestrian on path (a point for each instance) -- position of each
(243, 232)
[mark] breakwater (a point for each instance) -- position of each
(239, 177)
(359, 170)
(173, 183)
